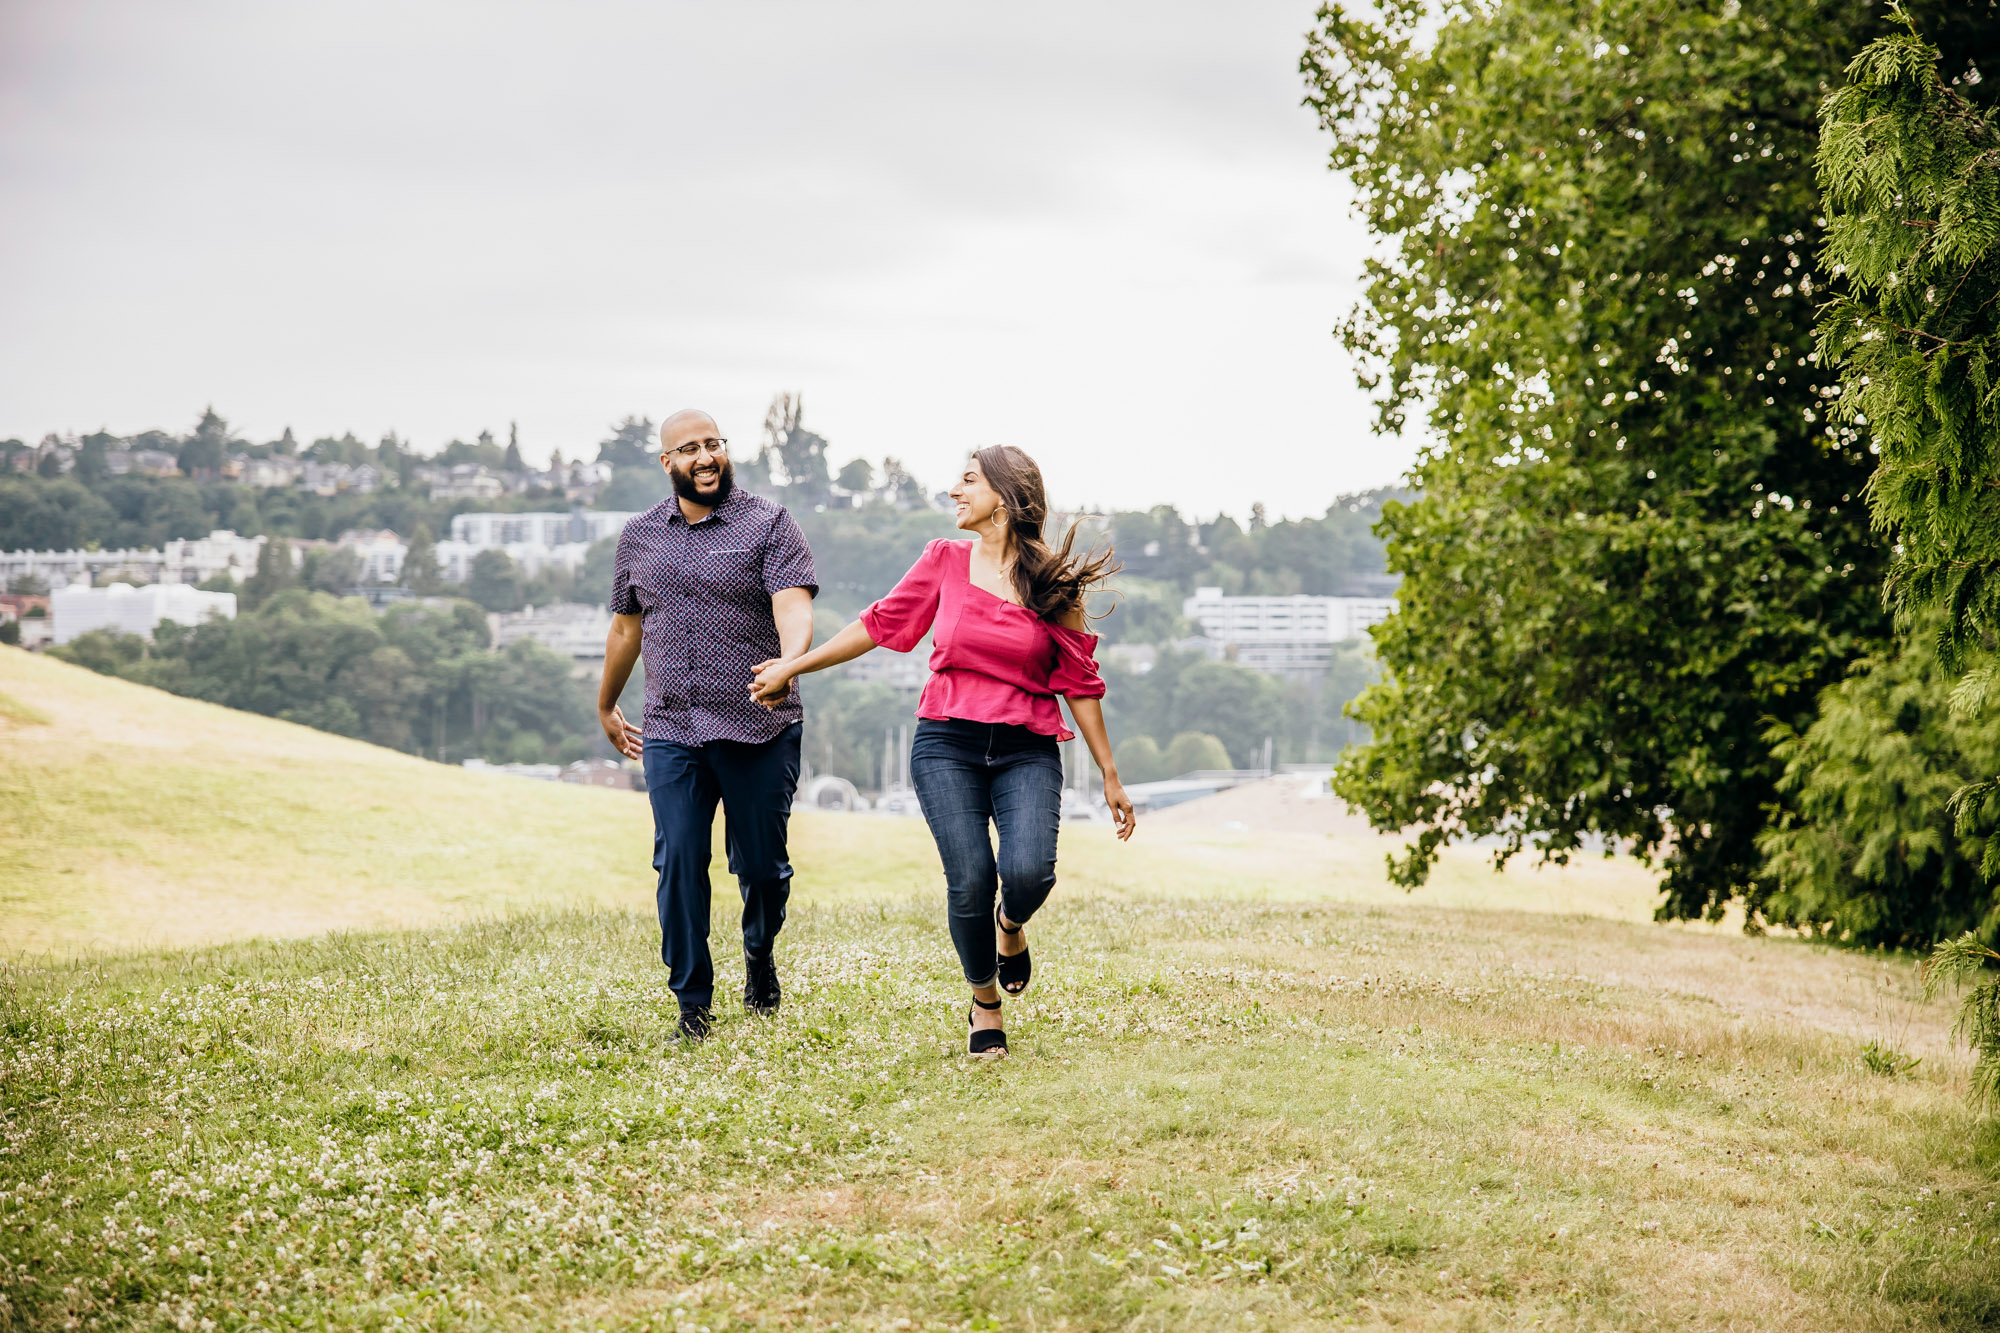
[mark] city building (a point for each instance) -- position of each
(1291, 637)
(533, 541)
(31, 613)
(183, 560)
(538, 772)
(582, 526)
(198, 559)
(617, 774)
(464, 481)
(574, 629)
(59, 569)
(144, 462)
(381, 553)
(125, 609)
(336, 478)
(264, 473)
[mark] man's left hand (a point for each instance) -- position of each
(773, 683)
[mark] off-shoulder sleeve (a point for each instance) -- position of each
(1075, 673)
(900, 620)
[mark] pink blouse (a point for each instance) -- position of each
(991, 661)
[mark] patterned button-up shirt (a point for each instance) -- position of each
(703, 595)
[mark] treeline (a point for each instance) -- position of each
(1642, 589)
(418, 678)
(867, 523)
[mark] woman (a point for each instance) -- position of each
(1010, 635)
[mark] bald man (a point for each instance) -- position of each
(708, 583)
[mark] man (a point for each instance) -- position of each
(708, 583)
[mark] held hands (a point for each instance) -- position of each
(1121, 808)
(773, 683)
(624, 737)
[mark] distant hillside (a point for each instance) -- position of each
(130, 817)
(135, 816)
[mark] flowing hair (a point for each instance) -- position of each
(1052, 582)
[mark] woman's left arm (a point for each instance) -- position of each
(1089, 715)
(1088, 710)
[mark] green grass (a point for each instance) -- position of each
(1251, 1088)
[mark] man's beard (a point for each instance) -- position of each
(685, 487)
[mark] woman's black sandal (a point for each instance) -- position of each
(1015, 969)
(984, 1041)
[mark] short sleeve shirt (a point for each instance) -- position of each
(703, 593)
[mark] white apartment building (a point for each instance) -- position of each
(183, 560)
(484, 531)
(575, 629)
(199, 559)
(381, 553)
(533, 541)
(128, 610)
(1291, 636)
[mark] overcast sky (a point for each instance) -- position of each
(1104, 232)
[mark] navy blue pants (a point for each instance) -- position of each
(972, 777)
(755, 785)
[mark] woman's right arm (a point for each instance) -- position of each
(896, 622)
(774, 678)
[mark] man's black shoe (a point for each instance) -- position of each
(761, 992)
(695, 1022)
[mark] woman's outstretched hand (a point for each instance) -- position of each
(1121, 808)
(772, 683)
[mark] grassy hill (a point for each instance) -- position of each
(136, 818)
(1251, 1087)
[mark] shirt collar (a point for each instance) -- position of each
(720, 514)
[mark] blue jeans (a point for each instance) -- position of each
(755, 785)
(970, 774)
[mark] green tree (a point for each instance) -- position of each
(61, 515)
(334, 571)
(513, 461)
(204, 452)
(794, 453)
(274, 573)
(1638, 542)
(420, 566)
(1140, 760)
(858, 476)
(1139, 610)
(593, 581)
(1866, 845)
(107, 652)
(495, 582)
(634, 443)
(1911, 166)
(1194, 751)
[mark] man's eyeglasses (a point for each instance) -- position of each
(689, 450)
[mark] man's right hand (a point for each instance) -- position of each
(624, 737)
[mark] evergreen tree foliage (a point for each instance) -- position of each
(274, 573)
(1865, 845)
(420, 566)
(1639, 543)
(1911, 169)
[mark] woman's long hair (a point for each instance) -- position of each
(1052, 582)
